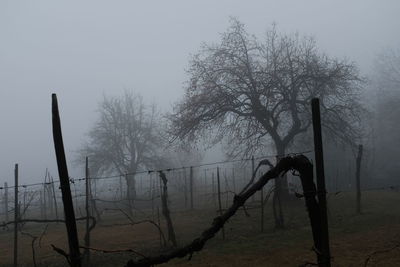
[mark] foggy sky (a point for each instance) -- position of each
(84, 49)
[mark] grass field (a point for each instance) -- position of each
(353, 237)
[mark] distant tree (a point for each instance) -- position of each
(125, 139)
(254, 92)
(386, 82)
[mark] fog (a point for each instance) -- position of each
(83, 50)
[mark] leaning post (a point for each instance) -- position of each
(325, 259)
(70, 222)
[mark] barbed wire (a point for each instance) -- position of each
(73, 180)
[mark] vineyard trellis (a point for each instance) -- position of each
(210, 186)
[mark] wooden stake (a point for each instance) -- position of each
(44, 202)
(233, 180)
(70, 222)
(358, 182)
(24, 206)
(213, 189)
(152, 195)
(120, 187)
(41, 204)
(6, 200)
(186, 189)
(16, 212)
(191, 187)
(262, 207)
(205, 186)
(87, 236)
(159, 224)
(165, 209)
(324, 258)
(252, 171)
(219, 200)
(54, 196)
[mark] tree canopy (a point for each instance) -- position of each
(253, 91)
(125, 137)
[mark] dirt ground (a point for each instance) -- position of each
(375, 234)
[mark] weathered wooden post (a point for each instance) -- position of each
(48, 192)
(213, 189)
(191, 187)
(226, 189)
(205, 186)
(87, 236)
(6, 201)
(324, 258)
(44, 202)
(24, 205)
(233, 180)
(165, 209)
(186, 187)
(16, 213)
(41, 204)
(120, 187)
(358, 174)
(54, 197)
(252, 171)
(159, 225)
(219, 200)
(70, 222)
(262, 207)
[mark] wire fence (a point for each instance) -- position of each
(129, 218)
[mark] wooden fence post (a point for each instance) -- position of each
(54, 197)
(6, 200)
(233, 180)
(70, 222)
(191, 187)
(151, 192)
(219, 200)
(44, 201)
(16, 212)
(165, 209)
(24, 205)
(41, 204)
(262, 207)
(252, 171)
(213, 189)
(358, 174)
(159, 225)
(186, 189)
(49, 192)
(87, 236)
(324, 259)
(120, 187)
(205, 187)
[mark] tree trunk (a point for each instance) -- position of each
(281, 193)
(130, 191)
(283, 184)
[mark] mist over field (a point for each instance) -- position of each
(84, 50)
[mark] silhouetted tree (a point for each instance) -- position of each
(386, 82)
(254, 92)
(125, 139)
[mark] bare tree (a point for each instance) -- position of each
(255, 92)
(125, 138)
(386, 85)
